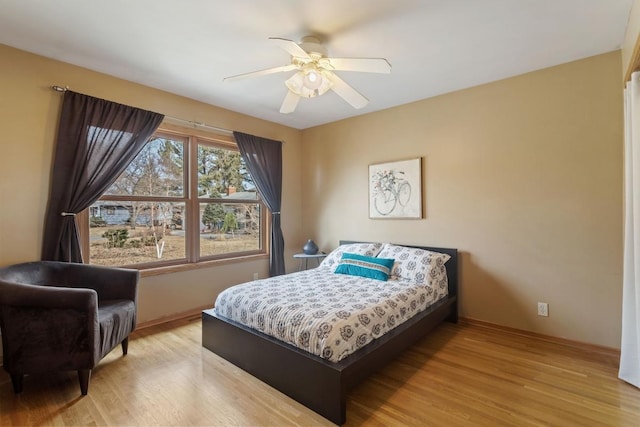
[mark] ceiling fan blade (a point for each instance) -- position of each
(367, 65)
(260, 73)
(291, 47)
(346, 92)
(290, 103)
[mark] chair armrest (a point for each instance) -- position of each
(48, 328)
(34, 296)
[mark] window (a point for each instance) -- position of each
(184, 199)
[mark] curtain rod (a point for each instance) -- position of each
(191, 122)
(200, 124)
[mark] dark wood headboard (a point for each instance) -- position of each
(451, 266)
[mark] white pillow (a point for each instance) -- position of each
(333, 259)
(414, 265)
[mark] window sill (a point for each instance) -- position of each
(156, 271)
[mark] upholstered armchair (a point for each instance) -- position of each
(57, 316)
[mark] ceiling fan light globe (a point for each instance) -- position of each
(312, 80)
(326, 83)
(296, 84)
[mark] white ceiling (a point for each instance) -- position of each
(434, 46)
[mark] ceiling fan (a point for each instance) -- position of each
(315, 72)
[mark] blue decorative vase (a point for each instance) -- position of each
(310, 248)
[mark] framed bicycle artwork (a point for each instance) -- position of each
(395, 189)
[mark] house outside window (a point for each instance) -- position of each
(184, 199)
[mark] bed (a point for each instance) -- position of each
(321, 381)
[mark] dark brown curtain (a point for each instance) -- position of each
(264, 161)
(97, 140)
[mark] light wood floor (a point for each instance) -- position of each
(460, 375)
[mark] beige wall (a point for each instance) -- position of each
(523, 176)
(28, 118)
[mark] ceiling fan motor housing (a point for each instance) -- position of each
(313, 46)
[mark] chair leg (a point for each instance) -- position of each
(84, 375)
(125, 346)
(16, 381)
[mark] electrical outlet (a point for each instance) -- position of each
(543, 309)
(255, 276)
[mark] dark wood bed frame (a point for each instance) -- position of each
(316, 383)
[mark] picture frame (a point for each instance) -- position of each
(395, 189)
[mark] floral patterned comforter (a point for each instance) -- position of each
(330, 315)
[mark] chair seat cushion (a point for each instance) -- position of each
(117, 319)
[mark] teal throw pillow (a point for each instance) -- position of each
(365, 266)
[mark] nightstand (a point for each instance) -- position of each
(304, 259)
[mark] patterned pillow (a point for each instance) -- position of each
(365, 266)
(412, 264)
(334, 257)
